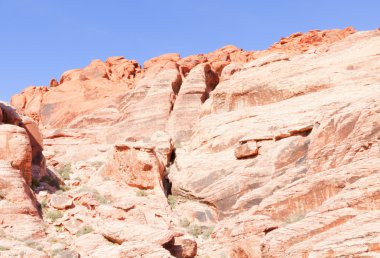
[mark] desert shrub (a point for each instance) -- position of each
(184, 223)
(194, 230)
(54, 215)
(34, 244)
(59, 228)
(43, 203)
(207, 231)
(141, 192)
(85, 230)
(172, 201)
(65, 171)
(65, 188)
(197, 230)
(3, 248)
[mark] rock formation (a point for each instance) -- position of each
(233, 153)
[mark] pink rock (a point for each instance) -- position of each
(61, 202)
(18, 213)
(119, 232)
(194, 91)
(136, 164)
(53, 83)
(246, 150)
(15, 148)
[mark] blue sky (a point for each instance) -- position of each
(40, 39)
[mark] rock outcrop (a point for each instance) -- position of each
(20, 218)
(233, 153)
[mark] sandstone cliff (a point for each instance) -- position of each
(233, 153)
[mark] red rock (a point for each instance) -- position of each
(16, 150)
(29, 101)
(303, 42)
(161, 60)
(18, 213)
(53, 83)
(246, 150)
(136, 164)
(188, 63)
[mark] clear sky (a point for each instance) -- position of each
(40, 39)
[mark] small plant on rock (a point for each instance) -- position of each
(85, 230)
(59, 228)
(184, 223)
(207, 231)
(141, 192)
(194, 230)
(65, 188)
(65, 171)
(197, 230)
(172, 201)
(44, 203)
(54, 215)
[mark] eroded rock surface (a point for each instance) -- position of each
(233, 153)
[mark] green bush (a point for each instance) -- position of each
(197, 230)
(3, 248)
(207, 231)
(184, 223)
(65, 171)
(85, 230)
(59, 228)
(65, 188)
(194, 230)
(43, 203)
(141, 192)
(172, 201)
(54, 215)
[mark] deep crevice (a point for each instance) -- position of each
(212, 80)
(167, 184)
(176, 87)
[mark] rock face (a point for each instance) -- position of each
(19, 214)
(136, 164)
(234, 153)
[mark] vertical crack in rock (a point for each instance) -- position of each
(166, 182)
(195, 90)
(212, 80)
(176, 86)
